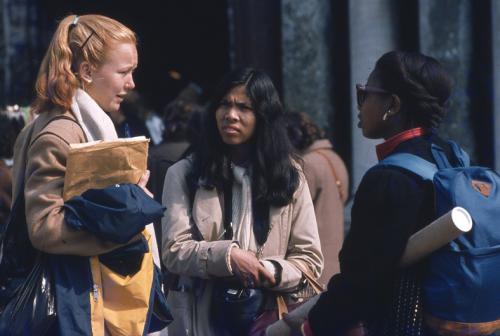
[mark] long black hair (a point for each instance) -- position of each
(274, 176)
(420, 81)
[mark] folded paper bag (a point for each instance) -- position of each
(99, 164)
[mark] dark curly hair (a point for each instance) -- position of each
(274, 175)
(421, 83)
(177, 117)
(302, 131)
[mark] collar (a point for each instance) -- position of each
(386, 148)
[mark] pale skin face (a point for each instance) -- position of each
(111, 81)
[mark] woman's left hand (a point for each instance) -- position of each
(249, 270)
(143, 181)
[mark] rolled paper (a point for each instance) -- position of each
(435, 235)
(296, 317)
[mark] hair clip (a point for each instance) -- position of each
(88, 38)
(73, 23)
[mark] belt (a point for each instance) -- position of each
(453, 328)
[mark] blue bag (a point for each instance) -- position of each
(463, 282)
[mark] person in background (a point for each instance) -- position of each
(403, 102)
(239, 217)
(8, 136)
(177, 118)
(328, 182)
(128, 119)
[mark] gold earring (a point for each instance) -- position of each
(386, 115)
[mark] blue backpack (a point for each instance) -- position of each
(463, 282)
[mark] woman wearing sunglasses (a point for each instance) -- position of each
(403, 103)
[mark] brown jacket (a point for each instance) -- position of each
(328, 200)
(40, 156)
(293, 238)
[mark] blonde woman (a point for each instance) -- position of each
(85, 74)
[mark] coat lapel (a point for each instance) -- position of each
(207, 214)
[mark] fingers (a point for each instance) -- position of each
(149, 193)
(266, 276)
(144, 179)
(259, 277)
(249, 270)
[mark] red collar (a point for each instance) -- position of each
(390, 144)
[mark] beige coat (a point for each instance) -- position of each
(293, 238)
(328, 200)
(42, 165)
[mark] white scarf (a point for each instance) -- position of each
(242, 209)
(96, 124)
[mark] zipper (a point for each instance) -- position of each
(95, 292)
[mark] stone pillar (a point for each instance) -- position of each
(372, 33)
(4, 61)
(495, 21)
(306, 58)
(255, 36)
(20, 50)
(445, 33)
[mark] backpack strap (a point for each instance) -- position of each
(461, 157)
(413, 163)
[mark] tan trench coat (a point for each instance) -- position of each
(328, 200)
(293, 237)
(42, 165)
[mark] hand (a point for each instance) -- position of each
(143, 181)
(248, 269)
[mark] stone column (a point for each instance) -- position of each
(20, 50)
(306, 58)
(495, 21)
(255, 36)
(372, 33)
(445, 33)
(4, 60)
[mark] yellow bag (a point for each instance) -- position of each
(119, 304)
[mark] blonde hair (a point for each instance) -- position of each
(77, 39)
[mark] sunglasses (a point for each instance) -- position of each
(362, 92)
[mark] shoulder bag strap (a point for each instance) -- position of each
(340, 187)
(59, 117)
(306, 273)
(18, 207)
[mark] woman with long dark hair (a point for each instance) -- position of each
(238, 211)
